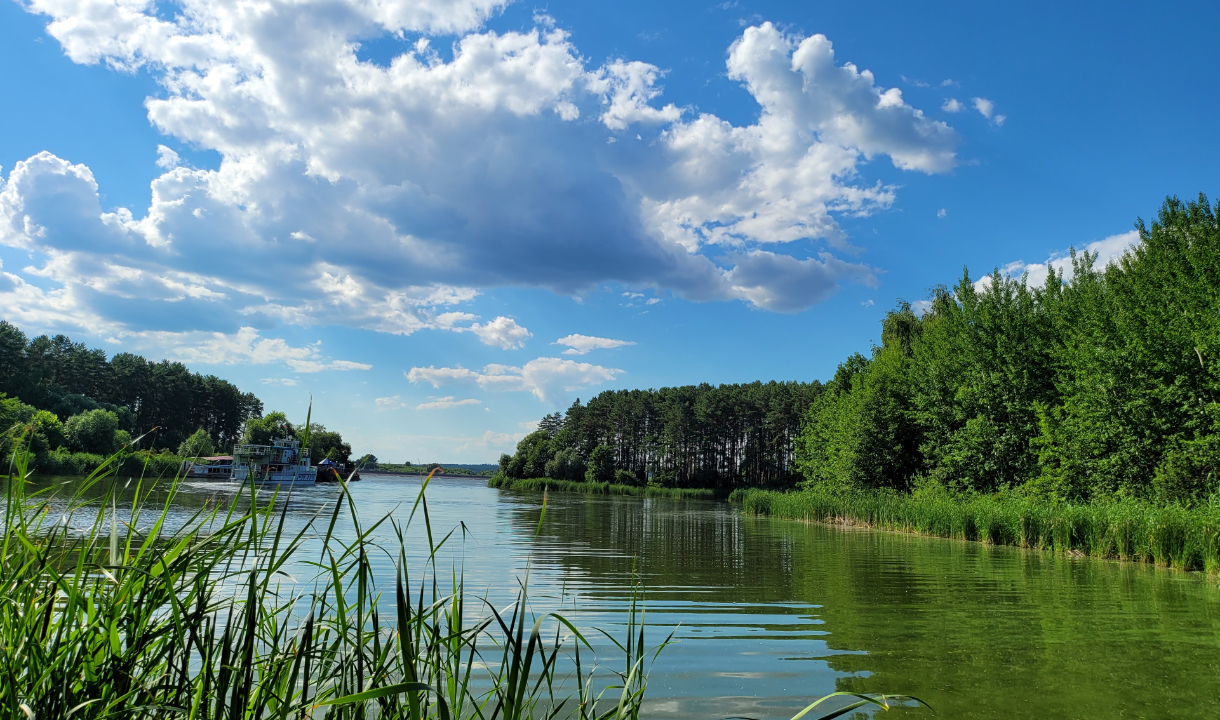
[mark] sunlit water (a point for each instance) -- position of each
(770, 614)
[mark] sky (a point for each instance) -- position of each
(443, 220)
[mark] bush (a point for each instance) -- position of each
(601, 465)
(626, 477)
(92, 431)
(199, 444)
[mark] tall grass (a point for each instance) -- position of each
(62, 462)
(201, 619)
(1168, 535)
(595, 488)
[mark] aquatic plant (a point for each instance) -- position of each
(1127, 529)
(112, 609)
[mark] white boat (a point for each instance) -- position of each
(217, 467)
(282, 463)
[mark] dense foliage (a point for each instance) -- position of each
(1106, 384)
(693, 436)
(322, 443)
(67, 379)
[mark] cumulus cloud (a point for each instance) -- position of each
(581, 344)
(942, 213)
(1108, 250)
(445, 403)
(382, 197)
(287, 382)
(502, 333)
(952, 105)
(393, 402)
(548, 379)
(986, 108)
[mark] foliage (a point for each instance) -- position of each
(262, 430)
(67, 378)
(1127, 529)
(92, 431)
(199, 444)
(601, 465)
(1106, 385)
(588, 488)
(692, 436)
(327, 444)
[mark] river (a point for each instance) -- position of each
(771, 613)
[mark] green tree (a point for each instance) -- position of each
(601, 465)
(199, 444)
(272, 426)
(92, 431)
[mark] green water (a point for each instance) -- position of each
(770, 613)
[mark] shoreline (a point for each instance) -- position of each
(539, 484)
(1165, 536)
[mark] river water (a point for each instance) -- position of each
(771, 613)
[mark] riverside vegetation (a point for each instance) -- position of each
(201, 618)
(1081, 413)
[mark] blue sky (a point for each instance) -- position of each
(401, 207)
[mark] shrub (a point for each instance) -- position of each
(92, 431)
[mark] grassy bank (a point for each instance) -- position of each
(539, 484)
(138, 464)
(1168, 535)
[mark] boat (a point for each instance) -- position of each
(282, 463)
(216, 467)
(330, 471)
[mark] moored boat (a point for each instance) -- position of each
(282, 463)
(216, 467)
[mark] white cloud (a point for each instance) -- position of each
(502, 333)
(952, 105)
(1108, 250)
(344, 193)
(548, 379)
(445, 403)
(986, 108)
(942, 213)
(244, 347)
(167, 159)
(393, 402)
(867, 303)
(288, 382)
(581, 344)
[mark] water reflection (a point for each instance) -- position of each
(772, 613)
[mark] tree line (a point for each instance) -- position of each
(1097, 383)
(1102, 384)
(68, 379)
(692, 436)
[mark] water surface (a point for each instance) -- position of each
(770, 613)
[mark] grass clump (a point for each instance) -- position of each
(1168, 535)
(596, 488)
(203, 619)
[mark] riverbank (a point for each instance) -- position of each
(137, 464)
(540, 484)
(1169, 535)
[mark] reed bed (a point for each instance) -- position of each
(63, 463)
(1167, 535)
(594, 488)
(203, 620)
(112, 610)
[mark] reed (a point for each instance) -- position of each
(110, 611)
(1168, 535)
(595, 488)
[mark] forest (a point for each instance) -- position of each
(1102, 382)
(681, 437)
(66, 379)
